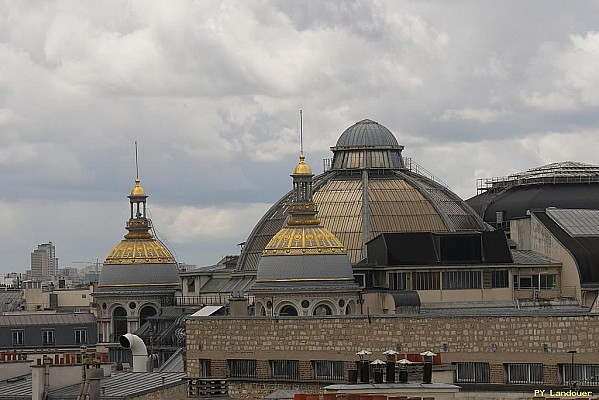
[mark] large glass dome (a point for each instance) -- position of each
(368, 191)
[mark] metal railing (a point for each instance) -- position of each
(207, 387)
(472, 372)
(581, 374)
(505, 182)
(208, 299)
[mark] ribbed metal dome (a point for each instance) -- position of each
(568, 184)
(139, 251)
(299, 240)
(366, 133)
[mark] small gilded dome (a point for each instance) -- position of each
(137, 191)
(303, 240)
(302, 168)
(139, 251)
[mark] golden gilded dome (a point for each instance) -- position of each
(302, 168)
(137, 191)
(304, 240)
(139, 251)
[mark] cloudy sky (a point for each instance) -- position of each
(211, 90)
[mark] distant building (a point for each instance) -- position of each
(44, 264)
(551, 210)
(37, 331)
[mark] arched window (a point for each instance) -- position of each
(144, 313)
(288, 311)
(119, 322)
(323, 309)
(348, 309)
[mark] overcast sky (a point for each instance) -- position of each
(212, 90)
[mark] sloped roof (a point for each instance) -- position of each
(228, 284)
(125, 385)
(41, 318)
(576, 222)
(16, 388)
(584, 249)
(176, 362)
(427, 248)
(528, 257)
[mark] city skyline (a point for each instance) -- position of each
(212, 92)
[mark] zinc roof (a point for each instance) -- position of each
(175, 363)
(531, 257)
(229, 285)
(366, 133)
(17, 388)
(576, 222)
(584, 249)
(139, 274)
(125, 385)
(312, 267)
(46, 319)
(10, 299)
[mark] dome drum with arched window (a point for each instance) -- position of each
(302, 259)
(313, 304)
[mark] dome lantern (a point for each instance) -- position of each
(139, 245)
(302, 188)
(367, 145)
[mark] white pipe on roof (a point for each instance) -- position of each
(139, 350)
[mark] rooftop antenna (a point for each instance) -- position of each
(136, 163)
(301, 133)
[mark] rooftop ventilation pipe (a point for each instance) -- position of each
(138, 349)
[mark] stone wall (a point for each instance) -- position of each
(496, 340)
(480, 338)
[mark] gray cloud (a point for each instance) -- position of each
(211, 90)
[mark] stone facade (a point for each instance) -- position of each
(517, 338)
(497, 340)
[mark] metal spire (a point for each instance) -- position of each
(136, 163)
(301, 133)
